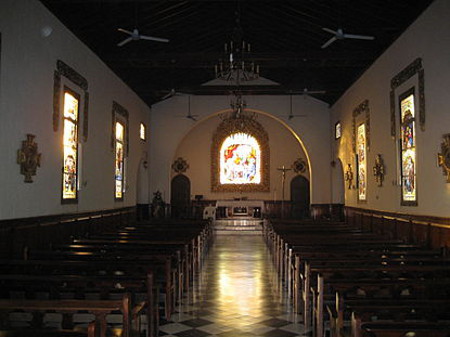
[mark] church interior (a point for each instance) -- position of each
(224, 168)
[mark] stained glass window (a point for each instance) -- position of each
(70, 146)
(119, 159)
(240, 160)
(408, 149)
(362, 162)
(142, 134)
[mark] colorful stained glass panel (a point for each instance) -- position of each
(408, 149)
(70, 147)
(362, 162)
(240, 160)
(119, 160)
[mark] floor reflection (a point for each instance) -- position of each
(236, 294)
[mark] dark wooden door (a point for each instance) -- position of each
(180, 196)
(300, 197)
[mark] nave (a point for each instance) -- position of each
(237, 294)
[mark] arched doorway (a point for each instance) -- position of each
(180, 196)
(300, 197)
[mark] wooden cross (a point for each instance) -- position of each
(283, 180)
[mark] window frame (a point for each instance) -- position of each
(401, 98)
(76, 96)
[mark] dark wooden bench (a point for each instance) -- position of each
(404, 329)
(99, 308)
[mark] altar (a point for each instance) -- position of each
(239, 208)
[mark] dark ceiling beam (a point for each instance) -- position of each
(269, 60)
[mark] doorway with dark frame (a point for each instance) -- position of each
(180, 196)
(300, 197)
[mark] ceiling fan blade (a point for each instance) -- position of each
(330, 31)
(292, 116)
(169, 94)
(359, 37)
(125, 31)
(151, 38)
(312, 92)
(128, 39)
(330, 41)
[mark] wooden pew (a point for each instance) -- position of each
(318, 241)
(358, 302)
(100, 308)
(405, 329)
(137, 246)
(395, 282)
(81, 286)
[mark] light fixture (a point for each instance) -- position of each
(235, 65)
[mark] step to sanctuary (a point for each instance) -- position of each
(239, 226)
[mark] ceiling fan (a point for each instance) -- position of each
(134, 36)
(172, 92)
(189, 114)
(307, 92)
(340, 35)
(291, 114)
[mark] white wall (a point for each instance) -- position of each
(429, 39)
(173, 135)
(28, 61)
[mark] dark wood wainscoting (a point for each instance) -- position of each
(19, 235)
(429, 231)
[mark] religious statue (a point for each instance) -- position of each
(158, 205)
(349, 176)
(28, 158)
(378, 170)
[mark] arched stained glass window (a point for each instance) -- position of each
(240, 156)
(240, 160)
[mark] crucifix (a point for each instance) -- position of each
(283, 180)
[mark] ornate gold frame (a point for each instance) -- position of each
(62, 69)
(362, 108)
(28, 158)
(245, 124)
(412, 69)
(444, 156)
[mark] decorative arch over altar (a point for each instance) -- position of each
(240, 156)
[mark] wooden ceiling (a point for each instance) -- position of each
(286, 39)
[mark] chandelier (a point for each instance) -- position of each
(235, 65)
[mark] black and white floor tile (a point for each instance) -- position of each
(237, 294)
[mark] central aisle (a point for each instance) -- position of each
(237, 294)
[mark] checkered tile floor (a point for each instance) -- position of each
(237, 294)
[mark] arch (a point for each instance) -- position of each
(237, 132)
(300, 197)
(180, 196)
(277, 119)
